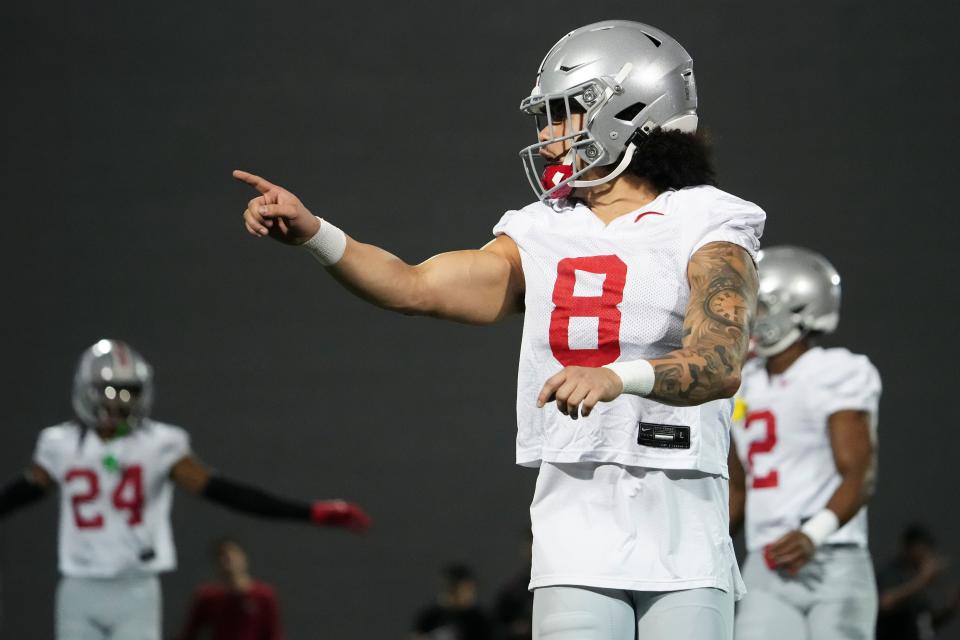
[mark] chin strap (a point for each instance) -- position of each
(780, 345)
(557, 173)
(620, 168)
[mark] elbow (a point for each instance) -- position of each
(411, 296)
(408, 300)
(728, 385)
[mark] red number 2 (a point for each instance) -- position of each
(602, 307)
(89, 495)
(128, 496)
(765, 445)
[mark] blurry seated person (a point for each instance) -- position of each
(907, 588)
(238, 607)
(455, 615)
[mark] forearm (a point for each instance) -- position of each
(852, 494)
(716, 329)
(18, 494)
(381, 278)
(252, 501)
(693, 376)
(892, 598)
(843, 505)
(471, 286)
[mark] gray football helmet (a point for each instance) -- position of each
(799, 294)
(627, 79)
(113, 384)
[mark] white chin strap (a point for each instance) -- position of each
(786, 341)
(624, 163)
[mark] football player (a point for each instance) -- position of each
(804, 462)
(637, 281)
(114, 466)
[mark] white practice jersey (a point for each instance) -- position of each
(596, 294)
(115, 497)
(782, 438)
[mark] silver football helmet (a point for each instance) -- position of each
(799, 294)
(113, 384)
(627, 79)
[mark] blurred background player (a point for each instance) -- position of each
(237, 607)
(114, 466)
(636, 279)
(909, 586)
(804, 462)
(456, 614)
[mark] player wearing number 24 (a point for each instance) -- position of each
(114, 466)
(804, 462)
(635, 330)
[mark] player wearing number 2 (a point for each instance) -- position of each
(113, 465)
(637, 283)
(804, 462)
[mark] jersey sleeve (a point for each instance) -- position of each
(515, 223)
(848, 382)
(50, 451)
(724, 217)
(174, 446)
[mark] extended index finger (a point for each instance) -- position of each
(260, 184)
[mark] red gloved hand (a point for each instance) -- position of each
(338, 513)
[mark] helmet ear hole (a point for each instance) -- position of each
(631, 112)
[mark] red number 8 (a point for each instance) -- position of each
(602, 307)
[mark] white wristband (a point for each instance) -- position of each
(327, 245)
(637, 376)
(819, 527)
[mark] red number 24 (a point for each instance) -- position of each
(602, 307)
(128, 496)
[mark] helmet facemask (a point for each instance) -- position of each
(555, 111)
(113, 387)
(776, 327)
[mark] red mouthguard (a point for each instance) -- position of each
(553, 175)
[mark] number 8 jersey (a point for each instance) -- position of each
(596, 294)
(115, 497)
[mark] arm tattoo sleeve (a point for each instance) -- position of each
(716, 329)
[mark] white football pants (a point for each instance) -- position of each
(833, 596)
(588, 613)
(114, 608)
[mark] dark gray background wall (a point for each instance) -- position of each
(399, 121)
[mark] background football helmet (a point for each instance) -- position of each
(799, 293)
(113, 383)
(627, 78)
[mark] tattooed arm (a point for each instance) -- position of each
(716, 329)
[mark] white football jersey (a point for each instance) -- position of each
(783, 440)
(115, 497)
(596, 294)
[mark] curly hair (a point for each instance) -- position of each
(674, 160)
